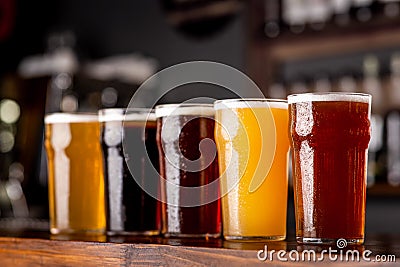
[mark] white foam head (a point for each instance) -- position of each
(185, 109)
(130, 115)
(250, 103)
(331, 96)
(70, 118)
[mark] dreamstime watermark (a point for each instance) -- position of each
(165, 81)
(329, 254)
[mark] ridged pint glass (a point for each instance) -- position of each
(330, 135)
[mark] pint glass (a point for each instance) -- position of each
(188, 163)
(253, 147)
(330, 136)
(129, 209)
(76, 184)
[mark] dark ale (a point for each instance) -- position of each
(129, 209)
(330, 137)
(187, 160)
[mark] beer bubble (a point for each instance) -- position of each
(307, 168)
(305, 120)
(233, 168)
(113, 133)
(171, 129)
(231, 127)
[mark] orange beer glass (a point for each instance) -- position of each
(253, 145)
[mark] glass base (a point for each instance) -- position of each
(179, 235)
(134, 233)
(339, 242)
(56, 231)
(254, 238)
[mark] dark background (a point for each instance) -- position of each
(105, 28)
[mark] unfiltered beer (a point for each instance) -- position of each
(76, 184)
(185, 138)
(130, 210)
(253, 147)
(330, 136)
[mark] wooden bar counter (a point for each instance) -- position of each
(42, 249)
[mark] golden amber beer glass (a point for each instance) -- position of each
(253, 146)
(75, 167)
(330, 135)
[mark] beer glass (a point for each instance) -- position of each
(129, 209)
(75, 168)
(330, 135)
(188, 163)
(253, 146)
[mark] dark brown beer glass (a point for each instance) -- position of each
(188, 160)
(129, 209)
(330, 136)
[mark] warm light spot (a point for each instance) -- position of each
(9, 111)
(6, 141)
(69, 103)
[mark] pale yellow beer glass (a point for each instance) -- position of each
(75, 170)
(253, 146)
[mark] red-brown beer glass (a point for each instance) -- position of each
(189, 165)
(330, 133)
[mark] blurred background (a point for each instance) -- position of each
(71, 55)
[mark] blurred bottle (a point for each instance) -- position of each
(392, 125)
(63, 59)
(23, 195)
(391, 8)
(322, 84)
(362, 10)
(115, 78)
(45, 77)
(277, 91)
(341, 10)
(272, 19)
(298, 86)
(294, 14)
(346, 82)
(372, 85)
(200, 18)
(319, 12)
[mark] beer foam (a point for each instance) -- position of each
(250, 103)
(127, 117)
(179, 110)
(310, 97)
(70, 118)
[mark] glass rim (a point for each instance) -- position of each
(330, 96)
(236, 103)
(200, 109)
(71, 117)
(126, 114)
(183, 105)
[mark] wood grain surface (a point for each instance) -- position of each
(20, 251)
